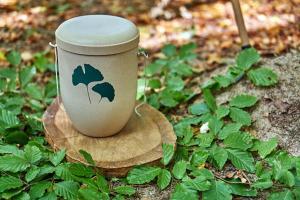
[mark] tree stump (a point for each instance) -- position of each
(139, 142)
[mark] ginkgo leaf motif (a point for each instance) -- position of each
(105, 90)
(90, 74)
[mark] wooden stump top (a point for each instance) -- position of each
(139, 142)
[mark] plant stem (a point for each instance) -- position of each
(87, 89)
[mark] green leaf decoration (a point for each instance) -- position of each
(243, 101)
(125, 190)
(228, 129)
(89, 194)
(9, 182)
(39, 189)
(105, 90)
(142, 174)
(199, 183)
(26, 75)
(88, 158)
(285, 195)
(264, 148)
(169, 50)
(240, 116)
(218, 191)
(183, 192)
(13, 163)
(102, 183)
(89, 75)
(239, 140)
(66, 189)
(164, 179)
(168, 152)
(242, 190)
(219, 156)
(215, 125)
(32, 173)
(222, 111)
(262, 77)
(8, 119)
(209, 99)
(32, 154)
(79, 169)
(14, 58)
(198, 109)
(247, 58)
(241, 159)
(57, 157)
(179, 169)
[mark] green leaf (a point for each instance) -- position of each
(13, 163)
(26, 74)
(222, 111)
(243, 101)
(66, 189)
(88, 158)
(223, 81)
(168, 152)
(23, 196)
(262, 184)
(242, 190)
(153, 68)
(199, 183)
(215, 125)
(17, 137)
(175, 83)
(199, 158)
(34, 91)
(79, 169)
(89, 194)
(102, 184)
(14, 58)
(168, 101)
(179, 169)
(209, 99)
(32, 154)
(198, 109)
(218, 191)
(169, 50)
(241, 159)
(142, 174)
(9, 182)
(247, 58)
(285, 195)
(39, 189)
(63, 172)
(205, 139)
(183, 192)
(240, 116)
(203, 172)
(154, 83)
(228, 129)
(57, 157)
(164, 179)
(49, 196)
(262, 77)
(8, 119)
(32, 173)
(9, 149)
(125, 190)
(264, 148)
(239, 140)
(220, 156)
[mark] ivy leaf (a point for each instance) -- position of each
(218, 191)
(243, 101)
(228, 129)
(125, 190)
(13, 163)
(26, 74)
(198, 109)
(209, 99)
(215, 125)
(66, 189)
(32, 154)
(9, 182)
(183, 192)
(240, 116)
(179, 169)
(88, 158)
(39, 189)
(168, 152)
(164, 179)
(32, 173)
(241, 159)
(105, 90)
(247, 58)
(262, 77)
(264, 148)
(142, 174)
(239, 140)
(222, 111)
(242, 190)
(285, 195)
(220, 156)
(57, 157)
(199, 183)
(14, 58)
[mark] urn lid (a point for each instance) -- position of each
(97, 35)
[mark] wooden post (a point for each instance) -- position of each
(240, 23)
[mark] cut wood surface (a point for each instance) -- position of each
(139, 142)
